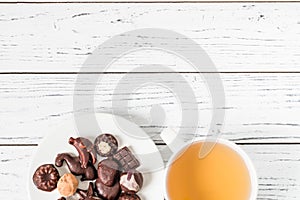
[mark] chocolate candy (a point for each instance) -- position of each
(67, 185)
(106, 192)
(87, 194)
(126, 159)
(85, 150)
(62, 198)
(128, 196)
(106, 145)
(108, 172)
(131, 182)
(89, 173)
(46, 177)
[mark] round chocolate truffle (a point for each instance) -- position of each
(46, 177)
(129, 196)
(106, 145)
(131, 182)
(108, 172)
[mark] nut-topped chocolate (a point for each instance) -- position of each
(108, 172)
(126, 159)
(46, 177)
(106, 145)
(131, 182)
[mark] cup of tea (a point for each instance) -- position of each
(224, 173)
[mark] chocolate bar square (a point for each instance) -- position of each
(126, 159)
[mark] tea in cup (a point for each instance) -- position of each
(225, 173)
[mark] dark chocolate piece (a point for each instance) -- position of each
(126, 159)
(89, 173)
(88, 194)
(129, 196)
(85, 150)
(106, 192)
(131, 182)
(62, 198)
(106, 145)
(46, 177)
(108, 172)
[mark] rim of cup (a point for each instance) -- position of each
(248, 162)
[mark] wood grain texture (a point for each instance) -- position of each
(260, 108)
(238, 36)
(277, 168)
(144, 1)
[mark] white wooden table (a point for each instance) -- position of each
(255, 47)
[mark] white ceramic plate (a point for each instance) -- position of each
(57, 142)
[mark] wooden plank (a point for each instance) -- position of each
(238, 37)
(260, 108)
(277, 168)
(147, 1)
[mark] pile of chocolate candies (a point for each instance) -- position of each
(116, 176)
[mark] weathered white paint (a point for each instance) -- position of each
(237, 36)
(259, 107)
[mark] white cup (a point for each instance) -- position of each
(233, 146)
